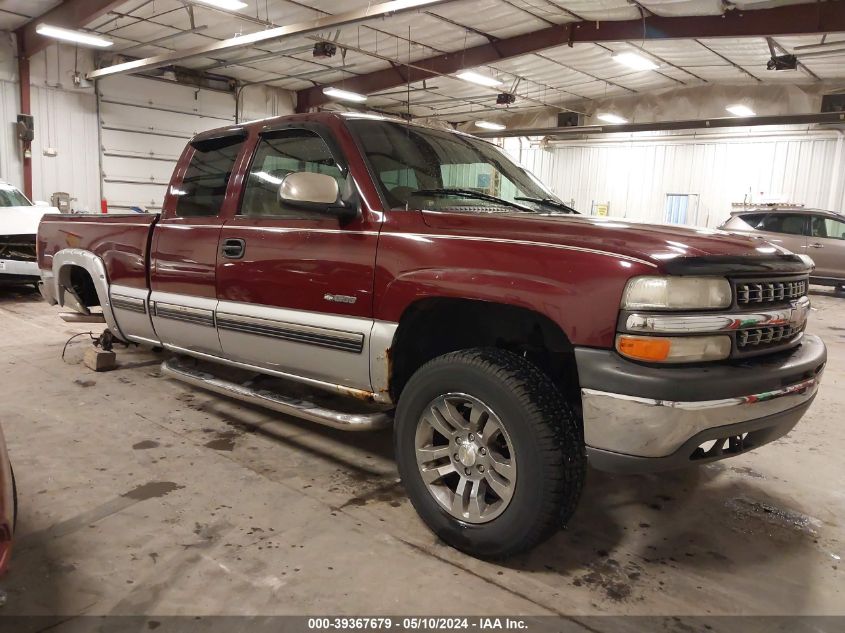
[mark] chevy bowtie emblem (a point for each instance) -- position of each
(339, 298)
(798, 313)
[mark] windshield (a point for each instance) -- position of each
(11, 197)
(406, 159)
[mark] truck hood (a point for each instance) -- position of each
(654, 243)
(22, 220)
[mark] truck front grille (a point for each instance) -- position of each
(761, 337)
(18, 247)
(755, 293)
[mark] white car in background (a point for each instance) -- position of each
(19, 220)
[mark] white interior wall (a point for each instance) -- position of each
(635, 172)
(65, 119)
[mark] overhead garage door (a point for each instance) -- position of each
(144, 125)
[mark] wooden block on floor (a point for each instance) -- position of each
(99, 360)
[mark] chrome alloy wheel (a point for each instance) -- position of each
(465, 457)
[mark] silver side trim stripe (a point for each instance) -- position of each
(182, 313)
(323, 337)
(132, 304)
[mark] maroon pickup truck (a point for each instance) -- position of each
(421, 279)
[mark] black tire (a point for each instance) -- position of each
(547, 441)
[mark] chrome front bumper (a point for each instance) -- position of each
(652, 431)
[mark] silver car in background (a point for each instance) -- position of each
(820, 234)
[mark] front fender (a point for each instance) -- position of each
(558, 300)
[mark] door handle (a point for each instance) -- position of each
(816, 245)
(234, 248)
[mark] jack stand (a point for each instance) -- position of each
(105, 341)
(101, 356)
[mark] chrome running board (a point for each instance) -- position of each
(296, 407)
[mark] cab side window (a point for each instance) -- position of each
(789, 223)
(203, 188)
(277, 155)
(828, 227)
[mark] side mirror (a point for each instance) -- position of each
(316, 192)
(41, 203)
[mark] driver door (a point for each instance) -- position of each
(295, 286)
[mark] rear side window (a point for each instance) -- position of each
(203, 189)
(828, 227)
(752, 219)
(789, 223)
(277, 155)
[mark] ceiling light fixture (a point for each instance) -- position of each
(478, 78)
(489, 125)
(345, 95)
(77, 37)
(609, 117)
(739, 109)
(228, 5)
(634, 60)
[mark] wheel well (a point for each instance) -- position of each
(433, 327)
(78, 280)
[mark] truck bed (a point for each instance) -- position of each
(121, 240)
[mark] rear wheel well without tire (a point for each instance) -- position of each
(79, 281)
(437, 326)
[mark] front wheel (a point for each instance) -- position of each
(491, 455)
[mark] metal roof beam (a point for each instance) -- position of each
(269, 35)
(821, 17)
(829, 118)
(70, 14)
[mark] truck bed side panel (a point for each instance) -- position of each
(121, 241)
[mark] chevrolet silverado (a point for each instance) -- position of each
(429, 283)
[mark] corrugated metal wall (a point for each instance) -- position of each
(636, 173)
(65, 121)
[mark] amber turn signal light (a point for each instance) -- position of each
(642, 348)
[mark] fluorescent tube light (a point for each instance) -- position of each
(489, 125)
(478, 78)
(634, 60)
(229, 5)
(345, 95)
(77, 37)
(609, 117)
(738, 109)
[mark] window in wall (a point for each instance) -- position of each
(278, 155)
(681, 208)
(203, 189)
(828, 227)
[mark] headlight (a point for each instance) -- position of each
(674, 349)
(677, 293)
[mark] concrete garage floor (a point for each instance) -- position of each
(139, 495)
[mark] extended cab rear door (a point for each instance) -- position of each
(295, 285)
(185, 241)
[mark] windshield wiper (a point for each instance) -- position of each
(550, 203)
(469, 193)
